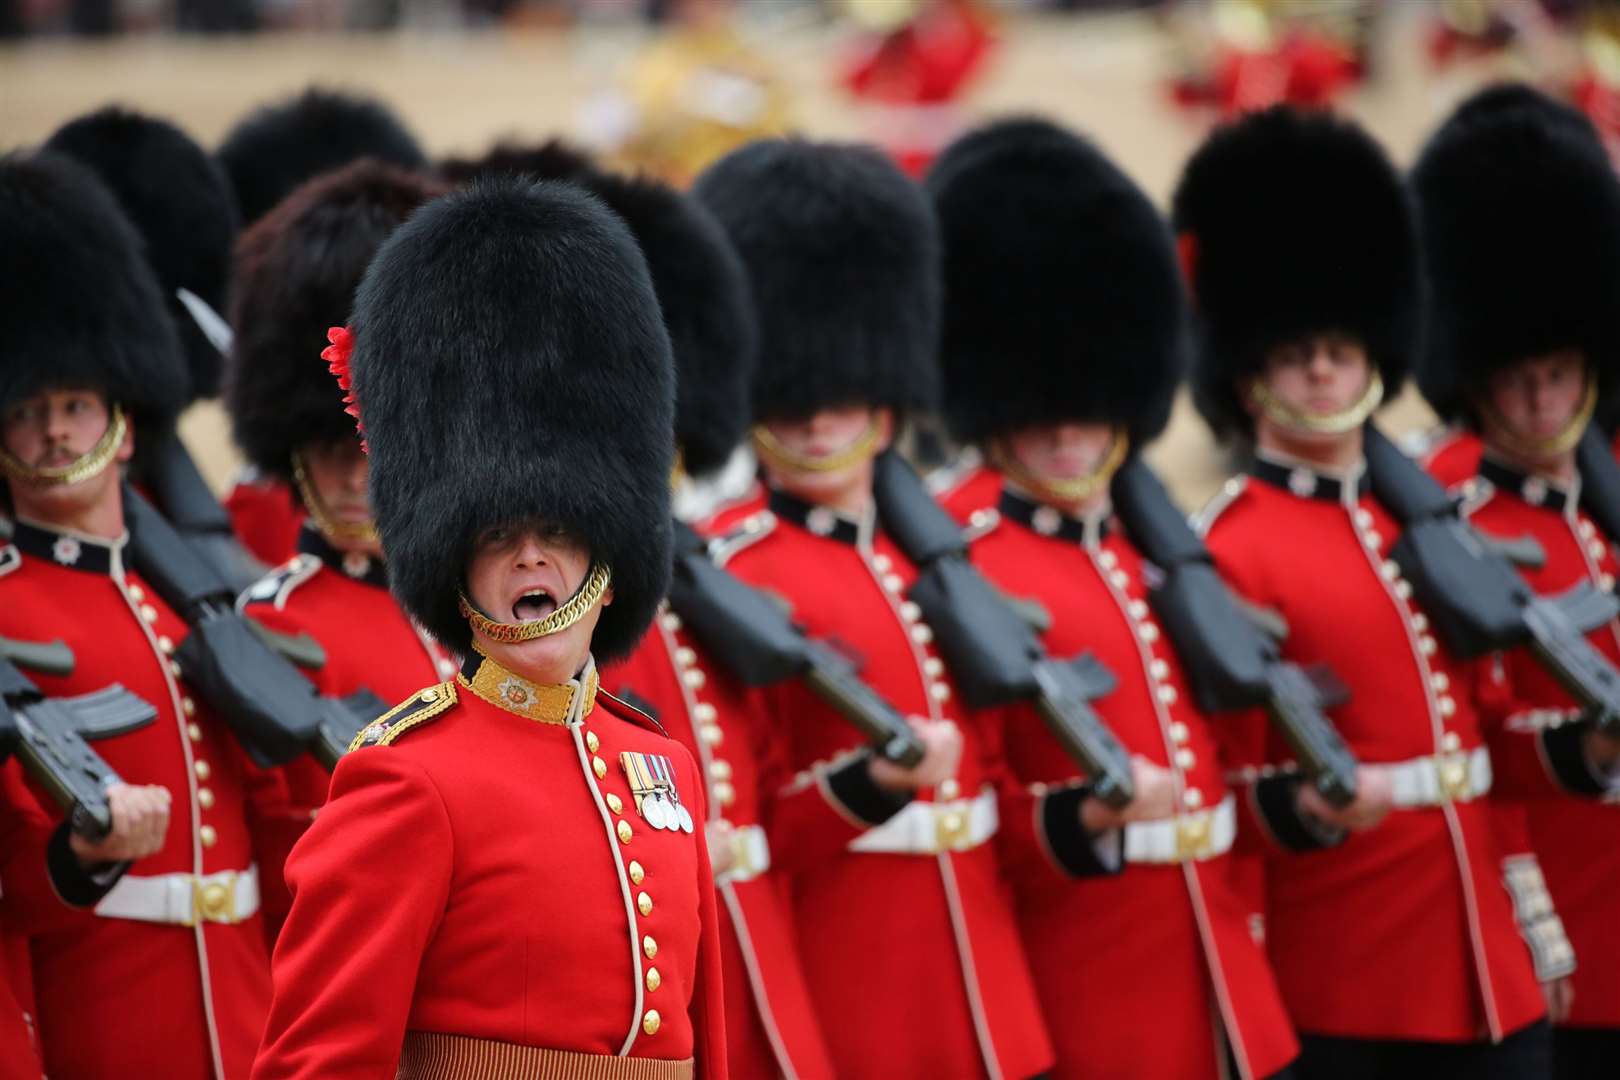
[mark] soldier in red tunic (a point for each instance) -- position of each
(1521, 213)
(297, 270)
(168, 969)
(509, 877)
(1058, 389)
(905, 930)
(1388, 925)
(267, 155)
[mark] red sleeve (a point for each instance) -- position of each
(29, 902)
(708, 1004)
(344, 970)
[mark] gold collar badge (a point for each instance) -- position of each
(547, 704)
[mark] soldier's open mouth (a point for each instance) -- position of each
(536, 604)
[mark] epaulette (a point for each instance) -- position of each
(948, 477)
(748, 532)
(981, 523)
(10, 559)
(278, 584)
(415, 710)
(1205, 518)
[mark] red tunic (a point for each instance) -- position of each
(201, 991)
(771, 1028)
(25, 831)
(490, 875)
(266, 516)
(1574, 834)
(913, 959)
(344, 604)
(1404, 931)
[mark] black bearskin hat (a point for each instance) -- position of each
(277, 147)
(842, 254)
(177, 197)
(510, 363)
(297, 270)
(82, 306)
(1520, 215)
(701, 285)
(1062, 296)
(1294, 222)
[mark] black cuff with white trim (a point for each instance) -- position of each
(78, 885)
(1080, 852)
(851, 783)
(1276, 801)
(1563, 748)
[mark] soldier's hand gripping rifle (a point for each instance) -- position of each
(275, 712)
(995, 656)
(757, 643)
(48, 734)
(1476, 600)
(1230, 661)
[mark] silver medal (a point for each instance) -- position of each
(654, 810)
(686, 818)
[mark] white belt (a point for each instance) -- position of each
(750, 855)
(229, 896)
(928, 828)
(1195, 836)
(1443, 778)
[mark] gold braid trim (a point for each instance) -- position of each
(1080, 488)
(547, 703)
(1540, 449)
(89, 464)
(570, 613)
(417, 709)
(434, 1055)
(361, 532)
(773, 452)
(1337, 423)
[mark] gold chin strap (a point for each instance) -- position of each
(1338, 423)
(1537, 449)
(89, 464)
(1076, 490)
(771, 450)
(354, 532)
(570, 613)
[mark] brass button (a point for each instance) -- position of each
(165, 645)
(205, 798)
(949, 788)
(910, 612)
(651, 1022)
(1448, 706)
(671, 621)
(724, 793)
(208, 836)
(881, 563)
(599, 767)
(1159, 669)
(174, 669)
(649, 946)
(712, 734)
(685, 656)
(933, 667)
(194, 732)
(615, 803)
(922, 634)
(719, 769)
(1426, 645)
(188, 706)
(637, 874)
(1185, 759)
(1107, 559)
(1389, 570)
(694, 678)
(893, 583)
(644, 904)
(214, 902)
(1420, 621)
(149, 613)
(1167, 694)
(703, 713)
(1403, 589)
(1148, 632)
(940, 692)
(1178, 732)
(430, 695)
(654, 980)
(1120, 578)
(1138, 609)
(203, 770)
(1451, 741)
(625, 832)
(136, 593)
(1194, 798)
(592, 743)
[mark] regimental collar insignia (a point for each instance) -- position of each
(560, 703)
(72, 550)
(1306, 482)
(1050, 521)
(652, 782)
(354, 565)
(1535, 490)
(818, 520)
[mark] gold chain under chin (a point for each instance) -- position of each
(570, 613)
(353, 532)
(89, 464)
(1075, 490)
(1536, 449)
(773, 452)
(1346, 419)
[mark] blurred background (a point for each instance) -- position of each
(667, 85)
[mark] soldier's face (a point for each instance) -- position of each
(1061, 451)
(1535, 400)
(339, 472)
(523, 573)
(824, 435)
(1316, 376)
(52, 429)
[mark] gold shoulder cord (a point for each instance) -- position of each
(1538, 449)
(1076, 490)
(353, 532)
(773, 452)
(419, 708)
(561, 619)
(1337, 423)
(89, 464)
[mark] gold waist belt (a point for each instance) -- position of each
(431, 1055)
